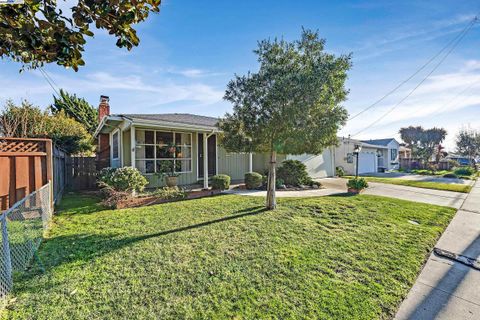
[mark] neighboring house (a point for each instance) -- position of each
(145, 141)
(375, 155)
(404, 152)
(389, 155)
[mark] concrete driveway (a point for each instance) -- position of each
(338, 185)
(438, 197)
(418, 177)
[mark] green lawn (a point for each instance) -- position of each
(420, 184)
(224, 257)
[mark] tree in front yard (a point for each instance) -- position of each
(424, 143)
(291, 105)
(39, 32)
(468, 143)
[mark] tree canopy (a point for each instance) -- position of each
(423, 142)
(292, 105)
(468, 143)
(76, 108)
(29, 121)
(39, 32)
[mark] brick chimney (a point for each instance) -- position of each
(103, 107)
(103, 139)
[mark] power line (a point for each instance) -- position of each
(44, 74)
(474, 20)
(421, 82)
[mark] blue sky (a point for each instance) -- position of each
(191, 49)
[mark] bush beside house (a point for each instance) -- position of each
(253, 180)
(221, 182)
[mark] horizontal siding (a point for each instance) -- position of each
(233, 164)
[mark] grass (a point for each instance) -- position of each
(420, 184)
(225, 257)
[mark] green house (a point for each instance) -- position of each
(189, 143)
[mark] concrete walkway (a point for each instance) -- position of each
(338, 185)
(448, 289)
(418, 177)
(438, 197)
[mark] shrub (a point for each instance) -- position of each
(170, 193)
(293, 172)
(122, 179)
(253, 180)
(221, 182)
(464, 171)
(339, 171)
(357, 183)
(450, 175)
(279, 183)
(112, 197)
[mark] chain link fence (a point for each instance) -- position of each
(22, 230)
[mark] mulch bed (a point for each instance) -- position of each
(287, 188)
(141, 201)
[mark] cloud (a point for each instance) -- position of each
(439, 101)
(401, 39)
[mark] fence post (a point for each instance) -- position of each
(6, 254)
(49, 149)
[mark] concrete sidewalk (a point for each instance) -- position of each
(448, 289)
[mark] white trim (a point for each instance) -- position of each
(172, 125)
(155, 145)
(133, 146)
(216, 154)
(250, 162)
(121, 149)
(118, 143)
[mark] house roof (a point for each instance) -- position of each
(379, 142)
(180, 118)
(182, 121)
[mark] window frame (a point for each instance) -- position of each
(391, 154)
(155, 159)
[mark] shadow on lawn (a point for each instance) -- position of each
(61, 250)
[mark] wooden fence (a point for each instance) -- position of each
(83, 173)
(25, 166)
(411, 164)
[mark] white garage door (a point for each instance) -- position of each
(366, 162)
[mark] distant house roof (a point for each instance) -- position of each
(379, 142)
(181, 118)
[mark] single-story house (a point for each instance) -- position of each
(375, 155)
(190, 144)
(145, 141)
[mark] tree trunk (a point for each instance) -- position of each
(271, 201)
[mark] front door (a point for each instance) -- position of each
(212, 155)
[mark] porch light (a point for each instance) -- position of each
(357, 148)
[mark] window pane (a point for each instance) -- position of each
(164, 138)
(183, 165)
(165, 152)
(149, 152)
(144, 136)
(165, 166)
(145, 166)
(115, 145)
(139, 136)
(184, 152)
(183, 139)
